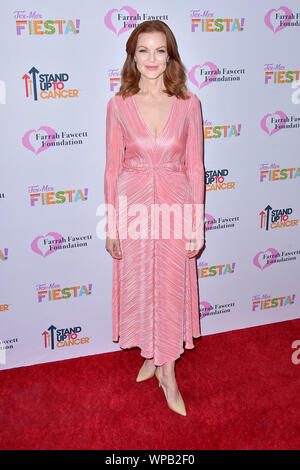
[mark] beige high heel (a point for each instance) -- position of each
(144, 374)
(178, 406)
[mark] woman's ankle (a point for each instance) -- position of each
(149, 362)
(167, 371)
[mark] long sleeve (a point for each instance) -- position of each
(114, 157)
(195, 165)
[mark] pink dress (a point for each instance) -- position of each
(155, 303)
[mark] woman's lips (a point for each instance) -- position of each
(151, 67)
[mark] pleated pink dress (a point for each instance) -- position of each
(155, 298)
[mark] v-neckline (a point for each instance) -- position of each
(144, 123)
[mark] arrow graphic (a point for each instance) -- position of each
(268, 209)
(51, 329)
(34, 72)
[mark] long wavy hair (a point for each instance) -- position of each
(175, 74)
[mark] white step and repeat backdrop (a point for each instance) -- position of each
(60, 64)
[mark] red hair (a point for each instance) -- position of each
(175, 74)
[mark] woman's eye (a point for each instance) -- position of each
(160, 50)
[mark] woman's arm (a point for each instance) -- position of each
(195, 166)
(114, 157)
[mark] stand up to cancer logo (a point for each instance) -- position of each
(61, 337)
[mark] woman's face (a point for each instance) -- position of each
(151, 54)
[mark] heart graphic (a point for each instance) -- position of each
(286, 22)
(130, 24)
(263, 122)
(210, 221)
(35, 244)
(206, 310)
(272, 260)
(26, 139)
(191, 75)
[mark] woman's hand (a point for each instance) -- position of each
(113, 247)
(194, 247)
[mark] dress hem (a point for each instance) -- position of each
(150, 357)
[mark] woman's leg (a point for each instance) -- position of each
(149, 364)
(168, 379)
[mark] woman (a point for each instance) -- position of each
(154, 157)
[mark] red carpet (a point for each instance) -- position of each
(241, 391)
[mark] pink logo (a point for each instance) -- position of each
(129, 25)
(42, 250)
(286, 11)
(51, 138)
(214, 72)
(207, 308)
(272, 259)
(263, 122)
(210, 221)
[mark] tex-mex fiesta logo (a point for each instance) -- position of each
(270, 218)
(53, 291)
(221, 131)
(270, 172)
(3, 254)
(205, 270)
(47, 85)
(114, 79)
(266, 301)
(45, 195)
(205, 21)
(215, 180)
(61, 337)
(33, 23)
(278, 74)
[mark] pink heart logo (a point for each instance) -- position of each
(35, 244)
(214, 72)
(210, 221)
(206, 310)
(26, 139)
(131, 12)
(286, 21)
(271, 261)
(263, 122)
